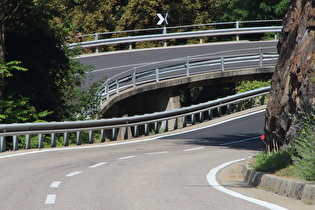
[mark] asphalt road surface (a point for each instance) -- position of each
(111, 63)
(165, 173)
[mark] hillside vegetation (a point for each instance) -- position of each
(44, 80)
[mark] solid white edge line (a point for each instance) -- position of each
(97, 165)
(55, 184)
(193, 149)
(73, 173)
(51, 199)
(235, 142)
(211, 177)
(130, 142)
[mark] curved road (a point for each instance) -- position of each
(165, 173)
(110, 64)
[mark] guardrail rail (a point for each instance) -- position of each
(136, 125)
(237, 30)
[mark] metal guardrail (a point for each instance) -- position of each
(187, 66)
(136, 125)
(237, 30)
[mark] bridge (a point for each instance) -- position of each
(144, 173)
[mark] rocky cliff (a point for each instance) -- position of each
(293, 83)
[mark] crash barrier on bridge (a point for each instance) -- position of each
(12, 134)
(192, 65)
(236, 30)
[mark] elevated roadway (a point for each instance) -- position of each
(111, 63)
(164, 95)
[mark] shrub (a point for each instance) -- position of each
(302, 140)
(272, 161)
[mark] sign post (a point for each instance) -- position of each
(163, 19)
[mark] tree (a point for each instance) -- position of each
(253, 9)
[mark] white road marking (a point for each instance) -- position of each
(236, 142)
(98, 164)
(157, 153)
(128, 142)
(74, 173)
(55, 184)
(211, 177)
(193, 149)
(124, 158)
(50, 199)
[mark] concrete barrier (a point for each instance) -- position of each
(300, 190)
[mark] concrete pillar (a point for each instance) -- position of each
(124, 133)
(173, 103)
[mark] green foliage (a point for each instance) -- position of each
(18, 111)
(7, 68)
(253, 9)
(272, 161)
(301, 136)
(245, 86)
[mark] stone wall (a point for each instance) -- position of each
(293, 82)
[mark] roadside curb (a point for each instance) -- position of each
(304, 191)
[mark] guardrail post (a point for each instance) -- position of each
(107, 89)
(114, 134)
(237, 25)
(15, 142)
(103, 137)
(91, 137)
(78, 137)
(95, 39)
(117, 86)
(157, 75)
(136, 131)
(65, 139)
(40, 141)
(262, 100)
(28, 141)
(201, 117)
(2, 144)
(187, 67)
(210, 113)
(146, 129)
(220, 111)
(261, 56)
(193, 119)
(53, 140)
(134, 77)
(222, 64)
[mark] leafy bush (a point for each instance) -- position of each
(302, 139)
(272, 161)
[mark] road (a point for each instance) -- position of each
(110, 64)
(165, 173)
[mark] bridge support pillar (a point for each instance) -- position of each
(173, 103)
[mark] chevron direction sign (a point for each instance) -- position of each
(162, 19)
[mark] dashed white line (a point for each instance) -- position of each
(157, 153)
(50, 199)
(97, 165)
(193, 149)
(55, 184)
(73, 173)
(124, 158)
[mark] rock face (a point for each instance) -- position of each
(293, 83)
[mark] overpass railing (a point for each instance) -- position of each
(236, 30)
(135, 126)
(192, 65)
